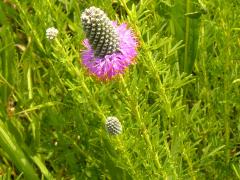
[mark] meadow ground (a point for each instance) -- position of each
(179, 105)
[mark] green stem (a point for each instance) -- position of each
(88, 94)
(119, 142)
(29, 81)
(42, 167)
(125, 156)
(226, 98)
(144, 129)
(187, 34)
(124, 4)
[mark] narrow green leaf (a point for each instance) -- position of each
(11, 147)
(186, 19)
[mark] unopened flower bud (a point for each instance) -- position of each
(51, 33)
(113, 125)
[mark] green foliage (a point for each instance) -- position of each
(185, 20)
(175, 125)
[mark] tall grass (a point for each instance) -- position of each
(179, 105)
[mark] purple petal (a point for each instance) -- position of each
(111, 65)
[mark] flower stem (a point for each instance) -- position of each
(29, 80)
(103, 118)
(143, 128)
(88, 94)
(124, 153)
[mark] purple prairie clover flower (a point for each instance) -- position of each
(110, 48)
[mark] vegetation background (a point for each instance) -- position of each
(179, 105)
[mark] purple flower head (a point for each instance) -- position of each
(110, 48)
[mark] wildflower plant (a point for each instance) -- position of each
(110, 48)
(59, 130)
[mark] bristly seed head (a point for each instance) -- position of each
(113, 125)
(100, 32)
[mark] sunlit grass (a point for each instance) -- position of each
(178, 105)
